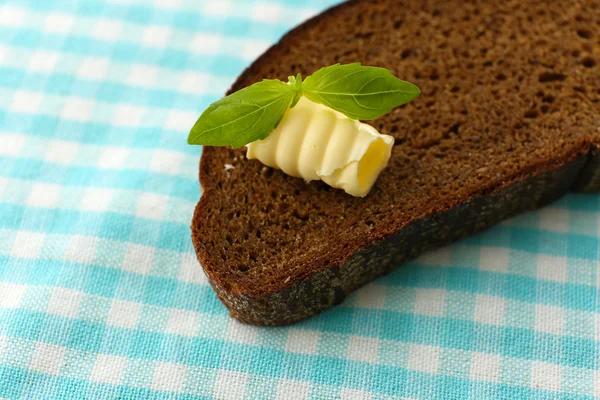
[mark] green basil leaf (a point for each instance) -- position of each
(296, 83)
(245, 116)
(358, 92)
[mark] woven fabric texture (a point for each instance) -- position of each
(101, 295)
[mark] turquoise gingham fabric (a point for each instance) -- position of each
(101, 296)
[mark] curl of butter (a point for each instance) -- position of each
(313, 142)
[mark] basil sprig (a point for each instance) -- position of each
(251, 114)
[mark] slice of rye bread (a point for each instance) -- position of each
(508, 120)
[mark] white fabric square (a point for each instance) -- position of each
(242, 333)
(183, 322)
(58, 22)
(61, 152)
(42, 61)
(253, 48)
(353, 394)
(218, 8)
(107, 29)
(180, 120)
(11, 16)
(169, 377)
(424, 358)
(126, 115)
(27, 245)
(3, 343)
(266, 12)
(64, 302)
(96, 199)
(552, 268)
(138, 258)
(430, 302)
(193, 82)
(11, 144)
(156, 36)
(485, 367)
(371, 296)
(546, 376)
(437, 257)
(151, 205)
(166, 161)
(596, 392)
(81, 249)
(554, 219)
(230, 385)
(288, 389)
(123, 314)
(489, 309)
(363, 349)
(113, 157)
(47, 358)
(11, 294)
(142, 75)
(26, 102)
(93, 68)
(302, 341)
(494, 259)
(108, 369)
(43, 195)
(206, 43)
(549, 319)
(77, 109)
(190, 270)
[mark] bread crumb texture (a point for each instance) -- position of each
(510, 90)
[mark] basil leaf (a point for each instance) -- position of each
(358, 92)
(245, 116)
(296, 83)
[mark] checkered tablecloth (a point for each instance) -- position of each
(101, 296)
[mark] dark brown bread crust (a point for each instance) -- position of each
(277, 250)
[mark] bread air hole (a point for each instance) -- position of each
(406, 53)
(551, 77)
(531, 114)
(548, 99)
(588, 62)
